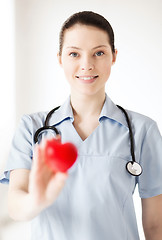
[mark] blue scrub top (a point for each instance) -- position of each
(96, 201)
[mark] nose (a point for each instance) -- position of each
(87, 64)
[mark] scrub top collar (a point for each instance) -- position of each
(65, 112)
(109, 111)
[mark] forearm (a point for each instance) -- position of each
(21, 206)
(152, 217)
(27, 199)
(36, 190)
(154, 233)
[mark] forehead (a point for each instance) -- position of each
(84, 34)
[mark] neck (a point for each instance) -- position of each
(87, 105)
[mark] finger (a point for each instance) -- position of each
(58, 137)
(36, 154)
(38, 159)
(43, 143)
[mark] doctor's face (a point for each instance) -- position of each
(86, 59)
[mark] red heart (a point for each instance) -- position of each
(60, 157)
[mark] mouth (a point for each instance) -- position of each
(87, 79)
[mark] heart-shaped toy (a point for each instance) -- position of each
(60, 157)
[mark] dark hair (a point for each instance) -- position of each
(87, 18)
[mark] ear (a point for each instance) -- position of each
(114, 56)
(59, 59)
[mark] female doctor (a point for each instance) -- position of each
(94, 199)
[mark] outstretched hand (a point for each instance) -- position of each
(44, 184)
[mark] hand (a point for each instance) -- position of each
(44, 184)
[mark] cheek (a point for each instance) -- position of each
(67, 68)
(69, 72)
(106, 69)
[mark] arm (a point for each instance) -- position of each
(152, 217)
(32, 191)
(20, 204)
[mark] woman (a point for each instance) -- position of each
(94, 199)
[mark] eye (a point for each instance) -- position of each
(99, 53)
(73, 54)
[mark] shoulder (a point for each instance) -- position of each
(144, 128)
(28, 125)
(139, 120)
(34, 119)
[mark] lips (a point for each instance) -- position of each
(87, 79)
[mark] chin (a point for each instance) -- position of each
(90, 92)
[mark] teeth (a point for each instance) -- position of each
(86, 78)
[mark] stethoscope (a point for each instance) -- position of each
(132, 167)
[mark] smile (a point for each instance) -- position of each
(87, 78)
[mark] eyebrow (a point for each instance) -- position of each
(92, 48)
(100, 46)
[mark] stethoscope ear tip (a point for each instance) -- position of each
(134, 168)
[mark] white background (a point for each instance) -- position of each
(31, 79)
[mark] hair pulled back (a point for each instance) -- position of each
(87, 18)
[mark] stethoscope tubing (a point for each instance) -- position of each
(130, 133)
(132, 167)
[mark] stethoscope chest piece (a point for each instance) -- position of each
(134, 168)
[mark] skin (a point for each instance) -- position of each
(38, 188)
(152, 217)
(86, 60)
(81, 60)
